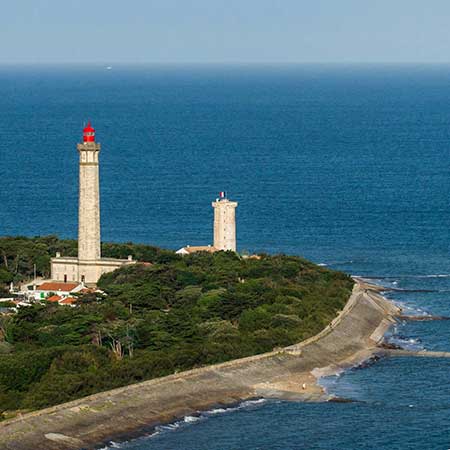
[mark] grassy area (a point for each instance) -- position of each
(175, 314)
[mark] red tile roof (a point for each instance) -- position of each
(68, 301)
(55, 287)
(54, 298)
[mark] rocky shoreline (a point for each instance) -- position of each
(290, 373)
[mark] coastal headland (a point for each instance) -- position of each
(287, 373)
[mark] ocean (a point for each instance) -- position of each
(345, 165)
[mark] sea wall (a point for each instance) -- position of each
(352, 337)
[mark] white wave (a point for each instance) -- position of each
(170, 426)
(438, 275)
(322, 264)
(190, 419)
(432, 275)
(336, 386)
(328, 383)
(155, 433)
(218, 410)
(245, 404)
(390, 278)
(248, 403)
(408, 343)
(410, 309)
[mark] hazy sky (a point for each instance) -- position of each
(225, 31)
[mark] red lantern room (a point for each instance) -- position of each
(88, 133)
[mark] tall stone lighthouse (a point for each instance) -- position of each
(89, 266)
(224, 223)
(89, 198)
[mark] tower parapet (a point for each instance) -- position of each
(224, 223)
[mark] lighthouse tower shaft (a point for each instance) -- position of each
(89, 200)
(224, 224)
(88, 267)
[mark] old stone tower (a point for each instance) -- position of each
(89, 266)
(224, 223)
(89, 198)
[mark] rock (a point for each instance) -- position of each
(423, 318)
(340, 400)
(390, 346)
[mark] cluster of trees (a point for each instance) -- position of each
(22, 257)
(153, 320)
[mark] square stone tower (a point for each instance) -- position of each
(224, 223)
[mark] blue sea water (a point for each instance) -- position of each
(345, 165)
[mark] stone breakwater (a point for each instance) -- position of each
(289, 373)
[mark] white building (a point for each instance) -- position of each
(188, 250)
(63, 290)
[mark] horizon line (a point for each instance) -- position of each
(223, 63)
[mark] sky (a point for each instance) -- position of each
(224, 31)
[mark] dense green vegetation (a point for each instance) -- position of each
(153, 320)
